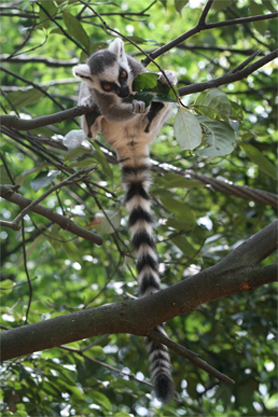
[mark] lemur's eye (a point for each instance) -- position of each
(106, 87)
(123, 74)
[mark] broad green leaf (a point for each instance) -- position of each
(213, 104)
(75, 153)
(4, 178)
(95, 352)
(99, 156)
(179, 5)
(180, 211)
(269, 6)
(164, 2)
(145, 81)
(124, 383)
(187, 130)
(183, 245)
(76, 29)
(72, 251)
(259, 159)
(84, 163)
(44, 179)
(257, 9)
(178, 181)
(179, 225)
(20, 178)
(6, 286)
(221, 4)
(51, 9)
(103, 225)
(121, 414)
(29, 250)
(19, 99)
(221, 138)
(101, 399)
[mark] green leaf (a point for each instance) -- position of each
(75, 153)
(103, 225)
(164, 2)
(221, 4)
(145, 81)
(179, 5)
(178, 181)
(19, 99)
(99, 156)
(51, 9)
(259, 159)
(180, 211)
(269, 6)
(83, 163)
(95, 352)
(76, 30)
(213, 104)
(29, 250)
(44, 179)
(72, 251)
(221, 138)
(20, 178)
(187, 130)
(6, 287)
(179, 225)
(260, 25)
(101, 399)
(183, 245)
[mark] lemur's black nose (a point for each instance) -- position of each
(123, 92)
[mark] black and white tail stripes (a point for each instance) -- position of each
(136, 182)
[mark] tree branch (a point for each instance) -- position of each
(235, 273)
(7, 192)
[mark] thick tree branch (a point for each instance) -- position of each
(201, 26)
(235, 273)
(230, 77)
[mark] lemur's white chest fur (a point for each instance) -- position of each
(129, 127)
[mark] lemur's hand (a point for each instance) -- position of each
(171, 77)
(138, 107)
(87, 102)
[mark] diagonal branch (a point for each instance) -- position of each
(7, 192)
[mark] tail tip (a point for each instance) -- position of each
(164, 388)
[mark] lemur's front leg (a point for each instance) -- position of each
(90, 122)
(159, 111)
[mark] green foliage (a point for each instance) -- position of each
(233, 134)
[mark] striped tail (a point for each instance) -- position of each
(136, 182)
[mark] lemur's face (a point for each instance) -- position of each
(106, 72)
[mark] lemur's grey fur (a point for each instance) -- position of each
(129, 126)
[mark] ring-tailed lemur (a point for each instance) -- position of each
(129, 126)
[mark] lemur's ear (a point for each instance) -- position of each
(117, 47)
(82, 71)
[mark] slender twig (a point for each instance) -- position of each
(246, 62)
(63, 30)
(27, 272)
(68, 181)
(192, 356)
(111, 368)
(7, 168)
(13, 74)
(205, 26)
